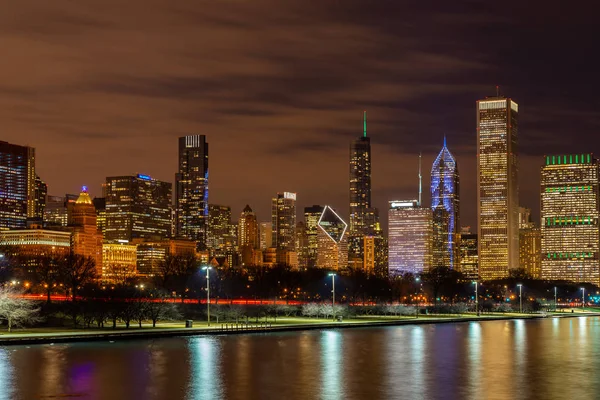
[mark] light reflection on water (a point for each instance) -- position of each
(549, 359)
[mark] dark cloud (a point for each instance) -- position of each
(105, 88)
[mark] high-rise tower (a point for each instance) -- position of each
(191, 189)
(497, 186)
(569, 210)
(446, 209)
(17, 185)
(283, 218)
(362, 217)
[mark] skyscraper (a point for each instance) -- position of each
(266, 235)
(248, 237)
(284, 226)
(137, 206)
(469, 260)
(58, 209)
(410, 234)
(41, 192)
(311, 228)
(17, 185)
(569, 211)
(445, 205)
(218, 227)
(332, 251)
(87, 239)
(361, 215)
(497, 186)
(191, 189)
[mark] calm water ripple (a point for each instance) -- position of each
(541, 359)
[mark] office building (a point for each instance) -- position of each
(311, 228)
(40, 194)
(119, 261)
(191, 189)
(152, 253)
(87, 239)
(375, 260)
(17, 185)
(58, 209)
(248, 238)
(569, 215)
(361, 213)
(445, 205)
(100, 205)
(266, 235)
(218, 227)
(35, 243)
(137, 206)
(283, 219)
(497, 186)
(332, 238)
(410, 237)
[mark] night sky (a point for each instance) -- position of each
(105, 88)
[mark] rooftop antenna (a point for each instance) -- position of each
(444, 140)
(497, 91)
(364, 124)
(420, 179)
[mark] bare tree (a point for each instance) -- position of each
(16, 310)
(77, 270)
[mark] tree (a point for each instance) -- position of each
(442, 280)
(175, 272)
(46, 273)
(76, 270)
(16, 310)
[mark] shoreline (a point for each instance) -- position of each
(136, 333)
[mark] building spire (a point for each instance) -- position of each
(364, 124)
(444, 140)
(420, 179)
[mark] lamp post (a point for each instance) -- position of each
(583, 299)
(207, 268)
(332, 275)
(476, 297)
(520, 285)
(417, 279)
(555, 303)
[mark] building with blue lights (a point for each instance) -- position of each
(445, 205)
(137, 206)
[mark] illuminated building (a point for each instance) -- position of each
(58, 209)
(569, 215)
(151, 253)
(87, 239)
(361, 214)
(469, 260)
(311, 220)
(137, 206)
(302, 245)
(525, 218)
(33, 243)
(530, 251)
(446, 209)
(248, 237)
(40, 193)
(218, 227)
(17, 185)
(191, 189)
(410, 237)
(284, 225)
(266, 235)
(119, 260)
(497, 187)
(332, 238)
(100, 204)
(375, 260)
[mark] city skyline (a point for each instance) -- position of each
(286, 99)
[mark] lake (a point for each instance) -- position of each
(553, 358)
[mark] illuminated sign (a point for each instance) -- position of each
(144, 177)
(84, 189)
(289, 195)
(403, 204)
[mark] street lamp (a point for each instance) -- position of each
(332, 275)
(476, 297)
(520, 285)
(417, 279)
(583, 299)
(207, 268)
(555, 307)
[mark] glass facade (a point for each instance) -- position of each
(17, 185)
(410, 238)
(137, 207)
(445, 205)
(218, 228)
(191, 190)
(497, 187)
(569, 214)
(311, 219)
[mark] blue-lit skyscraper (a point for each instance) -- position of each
(445, 205)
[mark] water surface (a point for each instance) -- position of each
(538, 359)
